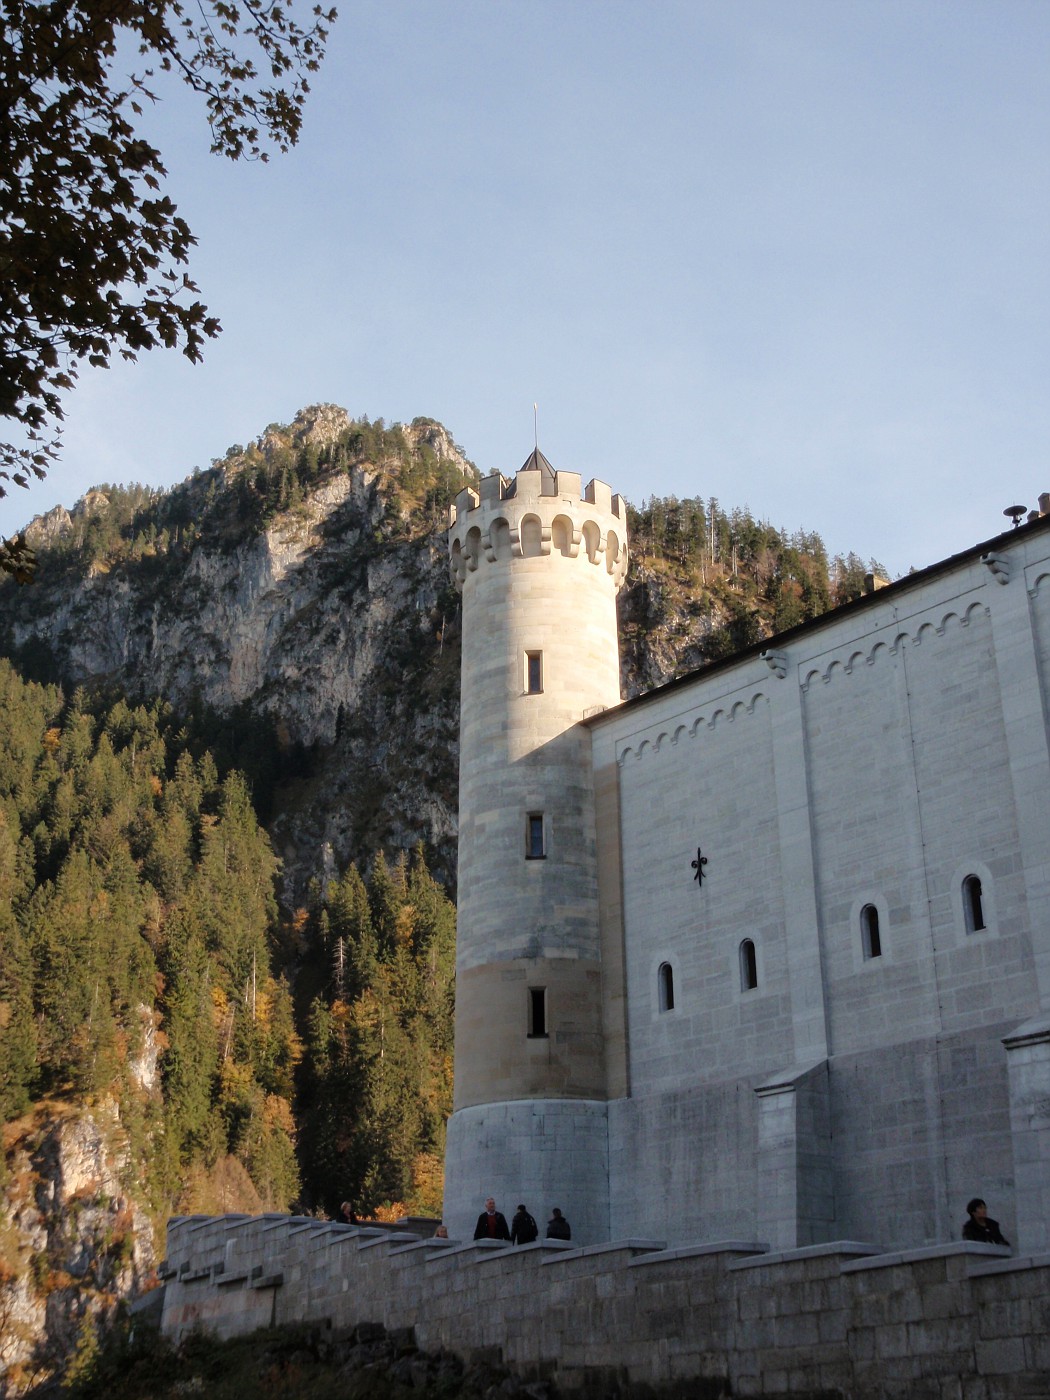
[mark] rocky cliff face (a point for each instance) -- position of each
(74, 1241)
(336, 620)
(292, 620)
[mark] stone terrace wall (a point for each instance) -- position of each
(950, 1322)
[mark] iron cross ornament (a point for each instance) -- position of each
(698, 866)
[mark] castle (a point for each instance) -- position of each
(753, 983)
(764, 954)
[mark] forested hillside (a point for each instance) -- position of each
(228, 759)
(142, 949)
(705, 583)
(376, 1088)
(138, 916)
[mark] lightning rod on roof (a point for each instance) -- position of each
(536, 426)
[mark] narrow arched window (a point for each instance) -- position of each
(748, 966)
(871, 940)
(973, 904)
(665, 987)
(537, 1013)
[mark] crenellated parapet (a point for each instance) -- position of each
(539, 512)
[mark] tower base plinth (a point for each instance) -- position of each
(544, 1152)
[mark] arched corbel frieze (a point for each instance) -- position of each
(674, 733)
(534, 537)
(592, 539)
(457, 564)
(612, 551)
(499, 539)
(814, 673)
(565, 536)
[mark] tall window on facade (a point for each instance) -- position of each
(665, 987)
(534, 847)
(533, 672)
(869, 932)
(748, 966)
(973, 904)
(537, 1013)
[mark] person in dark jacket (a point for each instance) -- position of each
(492, 1223)
(558, 1227)
(980, 1226)
(523, 1229)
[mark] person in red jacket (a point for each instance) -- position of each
(492, 1224)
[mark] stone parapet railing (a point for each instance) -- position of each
(842, 1319)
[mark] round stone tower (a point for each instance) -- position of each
(539, 563)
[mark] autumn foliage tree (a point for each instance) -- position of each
(92, 248)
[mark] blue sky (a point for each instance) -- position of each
(789, 253)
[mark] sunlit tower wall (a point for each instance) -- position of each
(539, 562)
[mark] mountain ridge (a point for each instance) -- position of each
(304, 578)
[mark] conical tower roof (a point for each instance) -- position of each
(536, 462)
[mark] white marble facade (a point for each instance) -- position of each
(871, 792)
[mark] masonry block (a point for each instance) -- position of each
(943, 1335)
(832, 1326)
(891, 1341)
(1005, 1355)
(796, 1330)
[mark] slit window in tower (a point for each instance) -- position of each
(534, 847)
(748, 966)
(537, 1013)
(871, 940)
(534, 673)
(973, 904)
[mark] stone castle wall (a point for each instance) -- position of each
(875, 757)
(952, 1322)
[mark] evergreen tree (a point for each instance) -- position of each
(192, 1059)
(18, 1048)
(377, 1072)
(349, 919)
